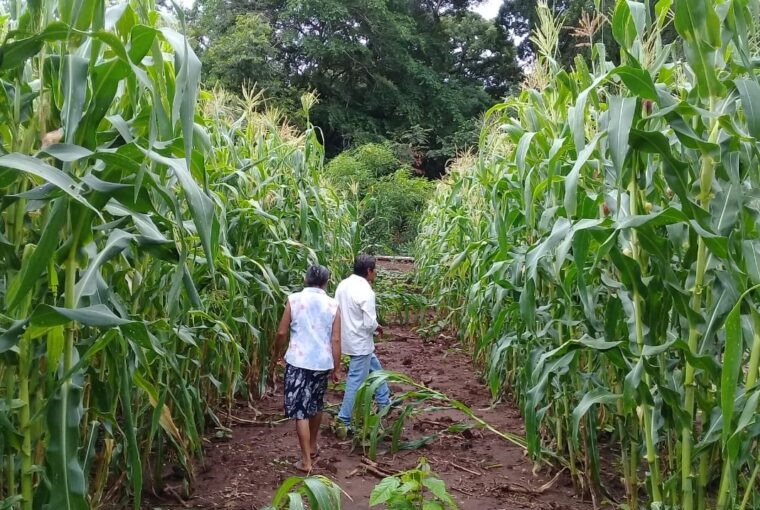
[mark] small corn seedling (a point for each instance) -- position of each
(414, 489)
(321, 493)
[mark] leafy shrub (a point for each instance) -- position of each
(393, 209)
(379, 159)
(347, 173)
(362, 165)
(393, 198)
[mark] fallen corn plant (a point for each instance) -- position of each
(399, 298)
(372, 428)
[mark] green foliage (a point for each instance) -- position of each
(414, 489)
(392, 210)
(244, 55)
(321, 493)
(481, 50)
(399, 297)
(349, 174)
(391, 197)
(379, 159)
(379, 67)
(374, 426)
(147, 242)
(600, 254)
(359, 167)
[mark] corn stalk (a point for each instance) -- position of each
(633, 208)
(175, 230)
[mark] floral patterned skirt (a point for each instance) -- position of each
(304, 391)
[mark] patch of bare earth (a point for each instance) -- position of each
(399, 264)
(481, 470)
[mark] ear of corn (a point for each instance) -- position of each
(599, 255)
(147, 240)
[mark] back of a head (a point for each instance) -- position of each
(362, 265)
(317, 276)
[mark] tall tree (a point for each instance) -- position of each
(382, 68)
(244, 53)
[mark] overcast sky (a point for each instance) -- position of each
(489, 8)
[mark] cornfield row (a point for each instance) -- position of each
(600, 254)
(147, 239)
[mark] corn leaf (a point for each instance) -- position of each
(732, 359)
(65, 469)
(34, 166)
(38, 262)
(749, 92)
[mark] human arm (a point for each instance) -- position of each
(282, 332)
(369, 314)
(336, 347)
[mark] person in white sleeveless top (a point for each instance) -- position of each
(312, 318)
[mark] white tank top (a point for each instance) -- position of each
(312, 313)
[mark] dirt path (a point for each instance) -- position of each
(481, 471)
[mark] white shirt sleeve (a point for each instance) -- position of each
(369, 313)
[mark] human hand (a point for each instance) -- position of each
(336, 375)
(379, 330)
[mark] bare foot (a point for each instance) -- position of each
(300, 466)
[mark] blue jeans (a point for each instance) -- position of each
(358, 370)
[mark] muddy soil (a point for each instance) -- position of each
(399, 265)
(481, 470)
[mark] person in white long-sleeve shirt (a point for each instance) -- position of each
(356, 302)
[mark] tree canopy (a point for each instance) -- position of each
(580, 19)
(519, 17)
(383, 69)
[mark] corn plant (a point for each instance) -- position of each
(599, 255)
(138, 290)
(321, 492)
(98, 118)
(399, 298)
(418, 399)
(279, 217)
(409, 490)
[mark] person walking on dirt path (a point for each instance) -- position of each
(356, 301)
(313, 320)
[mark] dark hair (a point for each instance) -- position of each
(362, 264)
(317, 276)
